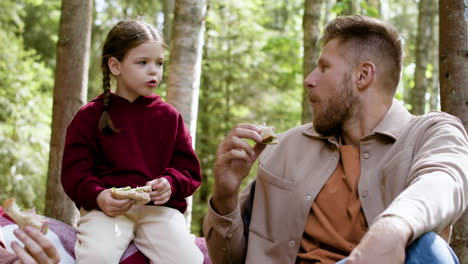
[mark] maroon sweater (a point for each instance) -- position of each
(152, 143)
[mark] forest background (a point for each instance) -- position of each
(255, 55)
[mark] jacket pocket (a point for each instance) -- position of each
(266, 176)
(272, 206)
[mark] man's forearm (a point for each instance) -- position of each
(393, 226)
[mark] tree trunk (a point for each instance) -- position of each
(434, 103)
(417, 97)
(377, 5)
(168, 17)
(185, 65)
(351, 7)
(454, 87)
(311, 26)
(71, 80)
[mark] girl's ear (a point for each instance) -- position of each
(114, 66)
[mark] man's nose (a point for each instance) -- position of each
(311, 80)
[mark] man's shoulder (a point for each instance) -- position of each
(434, 119)
(297, 131)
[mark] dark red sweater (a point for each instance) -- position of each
(152, 143)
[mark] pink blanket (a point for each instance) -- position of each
(67, 239)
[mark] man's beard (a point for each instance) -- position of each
(335, 110)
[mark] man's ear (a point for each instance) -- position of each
(366, 74)
(114, 66)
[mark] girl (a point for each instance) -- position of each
(131, 138)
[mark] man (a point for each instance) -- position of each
(38, 249)
(365, 182)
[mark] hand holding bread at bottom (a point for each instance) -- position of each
(22, 219)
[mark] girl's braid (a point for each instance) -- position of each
(105, 122)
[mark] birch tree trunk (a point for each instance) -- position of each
(454, 87)
(183, 81)
(71, 81)
(417, 95)
(311, 27)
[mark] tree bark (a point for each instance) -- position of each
(351, 7)
(311, 26)
(168, 6)
(454, 87)
(71, 80)
(417, 97)
(377, 5)
(186, 48)
(434, 103)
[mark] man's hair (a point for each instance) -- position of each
(371, 39)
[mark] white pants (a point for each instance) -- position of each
(159, 232)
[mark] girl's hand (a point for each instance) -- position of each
(111, 206)
(37, 248)
(161, 190)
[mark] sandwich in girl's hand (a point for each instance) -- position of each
(139, 194)
(268, 134)
(22, 219)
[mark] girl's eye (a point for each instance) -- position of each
(142, 62)
(160, 63)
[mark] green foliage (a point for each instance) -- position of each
(25, 118)
(41, 23)
(252, 73)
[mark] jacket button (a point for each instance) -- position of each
(229, 236)
(364, 194)
(292, 243)
(366, 155)
(307, 198)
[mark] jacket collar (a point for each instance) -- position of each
(394, 122)
(392, 125)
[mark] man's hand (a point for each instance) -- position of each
(384, 243)
(111, 206)
(161, 190)
(234, 160)
(38, 249)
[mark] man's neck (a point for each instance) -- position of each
(363, 120)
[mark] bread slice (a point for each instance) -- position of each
(268, 135)
(23, 219)
(139, 194)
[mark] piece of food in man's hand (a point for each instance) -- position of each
(139, 194)
(268, 135)
(27, 218)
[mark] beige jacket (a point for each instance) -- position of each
(413, 167)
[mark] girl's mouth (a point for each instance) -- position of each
(152, 83)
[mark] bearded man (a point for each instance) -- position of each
(366, 182)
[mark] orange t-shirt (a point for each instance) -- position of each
(336, 223)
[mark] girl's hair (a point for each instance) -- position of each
(125, 35)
